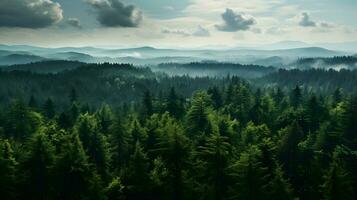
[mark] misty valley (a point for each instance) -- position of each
(177, 124)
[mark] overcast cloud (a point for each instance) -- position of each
(113, 13)
(233, 22)
(29, 13)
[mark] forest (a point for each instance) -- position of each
(117, 132)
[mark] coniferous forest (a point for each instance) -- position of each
(117, 132)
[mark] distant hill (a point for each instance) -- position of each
(19, 59)
(45, 66)
(73, 56)
(285, 45)
(152, 55)
(275, 61)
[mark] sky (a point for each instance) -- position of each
(175, 23)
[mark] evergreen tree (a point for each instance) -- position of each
(105, 117)
(73, 176)
(315, 113)
(36, 167)
(349, 123)
(136, 178)
(249, 176)
(337, 184)
(94, 143)
(8, 179)
(148, 109)
(197, 116)
(296, 97)
(173, 104)
(337, 96)
(73, 96)
(215, 155)
(175, 151)
(49, 108)
(20, 122)
(216, 97)
(114, 191)
(279, 187)
(33, 102)
(119, 139)
(288, 151)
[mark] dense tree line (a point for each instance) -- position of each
(215, 69)
(349, 61)
(94, 83)
(229, 141)
(317, 80)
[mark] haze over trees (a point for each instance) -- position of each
(108, 131)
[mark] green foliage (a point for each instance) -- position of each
(8, 179)
(249, 175)
(188, 138)
(337, 184)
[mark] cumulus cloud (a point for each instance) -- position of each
(113, 13)
(29, 13)
(234, 22)
(201, 32)
(305, 20)
(74, 22)
(176, 32)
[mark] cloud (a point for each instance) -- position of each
(234, 22)
(201, 32)
(29, 13)
(305, 20)
(326, 25)
(275, 31)
(176, 32)
(74, 22)
(113, 13)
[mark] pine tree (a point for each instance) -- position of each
(119, 139)
(137, 133)
(174, 150)
(216, 97)
(215, 155)
(73, 175)
(94, 143)
(33, 102)
(249, 176)
(20, 122)
(49, 108)
(337, 96)
(279, 187)
(147, 107)
(349, 123)
(136, 178)
(296, 97)
(197, 116)
(73, 96)
(315, 113)
(337, 184)
(8, 179)
(114, 191)
(173, 104)
(288, 151)
(278, 96)
(105, 117)
(36, 166)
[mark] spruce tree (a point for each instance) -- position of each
(8, 178)
(37, 166)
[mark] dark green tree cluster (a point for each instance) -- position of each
(231, 141)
